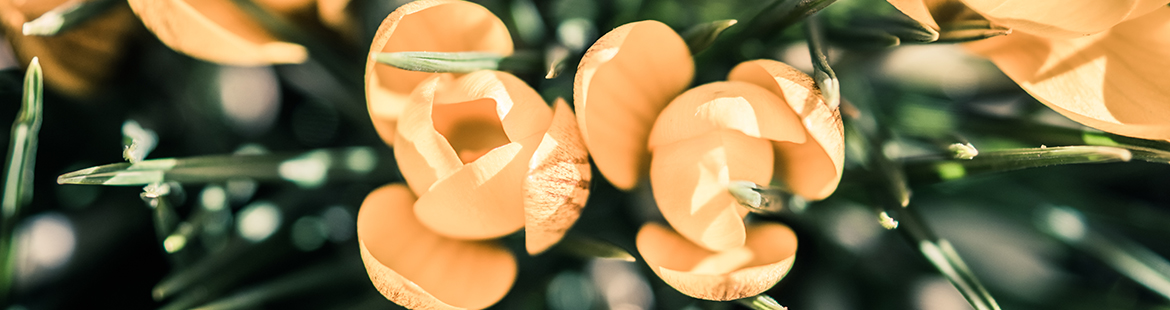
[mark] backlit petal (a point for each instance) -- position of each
(216, 31)
(1062, 18)
(690, 177)
(419, 269)
(1113, 81)
(740, 106)
(75, 62)
(736, 273)
(811, 169)
(557, 185)
(430, 26)
(624, 80)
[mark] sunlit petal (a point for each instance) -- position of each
(557, 185)
(624, 80)
(690, 180)
(740, 106)
(1062, 18)
(215, 30)
(811, 169)
(1113, 81)
(77, 61)
(419, 269)
(430, 26)
(740, 272)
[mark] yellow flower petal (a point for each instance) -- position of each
(419, 269)
(740, 106)
(451, 121)
(689, 179)
(622, 82)
(811, 169)
(932, 12)
(431, 26)
(1062, 18)
(1113, 81)
(216, 31)
(740, 272)
(78, 61)
(557, 185)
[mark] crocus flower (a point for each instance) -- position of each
(430, 26)
(76, 61)
(768, 122)
(1100, 63)
(222, 32)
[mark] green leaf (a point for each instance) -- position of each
(593, 248)
(64, 17)
(1014, 159)
(458, 62)
(761, 302)
(823, 74)
(701, 36)
(18, 181)
(969, 30)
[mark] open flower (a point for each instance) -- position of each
(77, 61)
(430, 26)
(1100, 63)
(768, 122)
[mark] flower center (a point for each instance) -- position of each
(472, 128)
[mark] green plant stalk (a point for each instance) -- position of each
(937, 169)
(822, 73)
(19, 173)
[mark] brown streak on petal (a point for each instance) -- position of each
(557, 186)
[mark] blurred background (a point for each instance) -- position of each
(1061, 237)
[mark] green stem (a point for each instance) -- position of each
(18, 182)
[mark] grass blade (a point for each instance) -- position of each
(18, 187)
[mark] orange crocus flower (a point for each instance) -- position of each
(1100, 63)
(485, 157)
(767, 122)
(77, 61)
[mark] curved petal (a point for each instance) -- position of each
(764, 259)
(689, 179)
(811, 169)
(484, 199)
(557, 185)
(419, 269)
(215, 31)
(1062, 18)
(78, 61)
(744, 107)
(624, 80)
(1113, 81)
(451, 121)
(933, 12)
(426, 25)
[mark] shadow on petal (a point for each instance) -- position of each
(431, 26)
(1062, 19)
(624, 80)
(690, 178)
(734, 105)
(217, 31)
(419, 269)
(811, 169)
(557, 185)
(764, 259)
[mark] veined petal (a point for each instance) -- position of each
(419, 269)
(1062, 18)
(451, 121)
(624, 80)
(811, 169)
(557, 185)
(431, 26)
(78, 61)
(1113, 81)
(690, 178)
(740, 106)
(764, 259)
(484, 199)
(216, 31)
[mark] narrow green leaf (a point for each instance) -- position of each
(905, 28)
(592, 248)
(969, 30)
(761, 302)
(701, 36)
(64, 17)
(309, 169)
(823, 74)
(1015, 159)
(784, 13)
(458, 62)
(18, 181)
